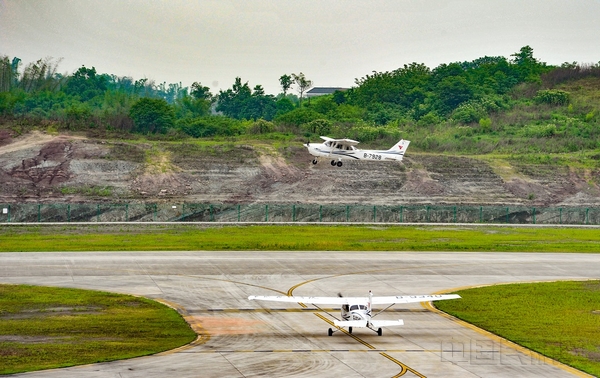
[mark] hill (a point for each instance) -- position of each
(63, 168)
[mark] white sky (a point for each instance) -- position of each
(331, 41)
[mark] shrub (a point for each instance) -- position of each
(485, 124)
(211, 126)
(318, 126)
(261, 127)
(539, 131)
(298, 117)
(552, 97)
(468, 112)
(152, 115)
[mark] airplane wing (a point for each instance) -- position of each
(345, 142)
(353, 300)
(351, 323)
(315, 300)
(386, 323)
(413, 298)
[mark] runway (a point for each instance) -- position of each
(241, 338)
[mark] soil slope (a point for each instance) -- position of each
(38, 167)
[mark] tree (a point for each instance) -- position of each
(201, 92)
(453, 91)
(303, 84)
(152, 115)
(529, 68)
(240, 102)
(231, 101)
(86, 84)
(286, 82)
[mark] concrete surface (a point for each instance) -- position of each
(241, 338)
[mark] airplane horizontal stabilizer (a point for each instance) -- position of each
(387, 323)
(351, 323)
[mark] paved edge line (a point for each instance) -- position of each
(503, 341)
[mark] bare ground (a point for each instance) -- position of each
(39, 167)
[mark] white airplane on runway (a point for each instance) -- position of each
(339, 149)
(356, 311)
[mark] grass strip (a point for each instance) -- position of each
(560, 320)
(178, 237)
(43, 328)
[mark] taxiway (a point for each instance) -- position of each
(241, 338)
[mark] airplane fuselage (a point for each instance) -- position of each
(320, 150)
(344, 149)
(356, 312)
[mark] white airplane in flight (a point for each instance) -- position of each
(339, 149)
(356, 311)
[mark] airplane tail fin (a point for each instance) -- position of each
(400, 147)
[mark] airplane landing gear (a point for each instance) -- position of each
(339, 163)
(315, 161)
(379, 331)
(333, 162)
(349, 329)
(330, 332)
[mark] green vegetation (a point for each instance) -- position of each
(97, 191)
(297, 238)
(560, 320)
(42, 328)
(491, 105)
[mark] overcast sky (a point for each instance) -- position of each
(331, 41)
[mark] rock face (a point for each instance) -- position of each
(62, 169)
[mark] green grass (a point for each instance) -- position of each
(42, 328)
(133, 237)
(556, 319)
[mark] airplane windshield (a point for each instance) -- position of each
(358, 307)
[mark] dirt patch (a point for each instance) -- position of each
(5, 137)
(229, 326)
(49, 167)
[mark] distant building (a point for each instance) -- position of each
(321, 91)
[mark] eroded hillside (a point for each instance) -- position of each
(38, 167)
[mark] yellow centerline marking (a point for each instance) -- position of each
(404, 368)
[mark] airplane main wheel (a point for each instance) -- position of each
(333, 162)
(315, 161)
(339, 163)
(330, 332)
(349, 329)
(379, 331)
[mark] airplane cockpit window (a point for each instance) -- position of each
(327, 144)
(363, 307)
(353, 307)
